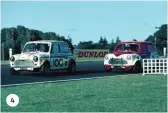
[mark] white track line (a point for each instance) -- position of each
(62, 80)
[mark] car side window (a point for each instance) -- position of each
(151, 48)
(55, 48)
(144, 48)
(64, 48)
(119, 48)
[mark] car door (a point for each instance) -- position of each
(65, 54)
(55, 57)
(144, 51)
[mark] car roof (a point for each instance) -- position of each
(134, 42)
(44, 41)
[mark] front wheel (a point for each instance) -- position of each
(14, 72)
(137, 68)
(45, 69)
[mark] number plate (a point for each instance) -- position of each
(117, 66)
(23, 68)
(116, 61)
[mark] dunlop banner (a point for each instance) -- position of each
(90, 55)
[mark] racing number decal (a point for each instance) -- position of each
(55, 62)
(58, 62)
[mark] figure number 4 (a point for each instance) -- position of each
(12, 100)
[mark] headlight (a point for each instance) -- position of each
(129, 57)
(12, 59)
(106, 57)
(35, 59)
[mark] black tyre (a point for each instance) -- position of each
(14, 72)
(45, 69)
(72, 67)
(137, 68)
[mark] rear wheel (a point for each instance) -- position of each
(45, 69)
(72, 67)
(14, 72)
(137, 68)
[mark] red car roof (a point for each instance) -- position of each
(135, 42)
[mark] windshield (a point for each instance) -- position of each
(36, 47)
(127, 48)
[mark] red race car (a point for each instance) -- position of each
(128, 56)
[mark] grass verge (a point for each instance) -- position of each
(108, 94)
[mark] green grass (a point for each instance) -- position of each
(109, 94)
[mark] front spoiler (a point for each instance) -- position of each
(118, 67)
(26, 68)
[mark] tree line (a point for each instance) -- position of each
(160, 37)
(16, 38)
(101, 44)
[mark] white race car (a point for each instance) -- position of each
(128, 56)
(43, 56)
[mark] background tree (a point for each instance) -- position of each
(101, 40)
(35, 35)
(118, 40)
(85, 45)
(16, 38)
(105, 43)
(102, 44)
(161, 38)
(112, 46)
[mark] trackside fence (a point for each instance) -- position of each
(155, 66)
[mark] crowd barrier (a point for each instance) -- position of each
(155, 66)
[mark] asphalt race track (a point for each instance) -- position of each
(84, 70)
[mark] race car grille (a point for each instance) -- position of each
(23, 63)
(117, 61)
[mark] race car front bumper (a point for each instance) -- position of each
(26, 68)
(118, 67)
(25, 65)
